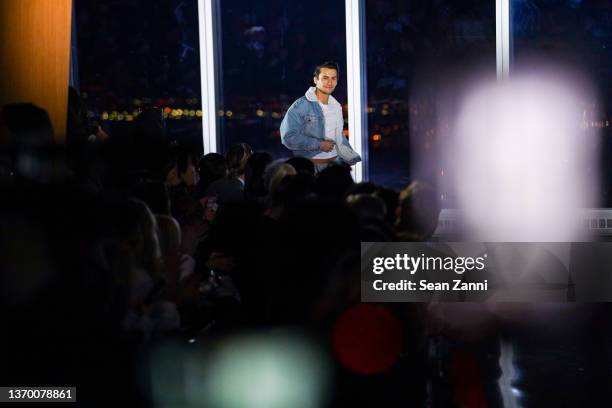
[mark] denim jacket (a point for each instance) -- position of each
(303, 129)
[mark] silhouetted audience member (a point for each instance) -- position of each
(77, 125)
(275, 174)
(231, 188)
(366, 207)
(333, 182)
(371, 213)
(182, 175)
(237, 157)
(388, 196)
(364, 187)
(391, 199)
(285, 189)
(178, 267)
(319, 230)
(30, 150)
(254, 188)
(29, 125)
(270, 172)
(292, 191)
(418, 213)
(58, 280)
(80, 129)
(241, 245)
(148, 134)
(302, 165)
(155, 194)
(151, 311)
(211, 167)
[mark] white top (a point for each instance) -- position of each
(333, 122)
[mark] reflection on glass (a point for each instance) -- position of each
(270, 49)
(420, 56)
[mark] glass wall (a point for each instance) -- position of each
(578, 35)
(127, 64)
(420, 54)
(269, 51)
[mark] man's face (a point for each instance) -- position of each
(327, 80)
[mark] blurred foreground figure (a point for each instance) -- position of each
(524, 166)
(523, 163)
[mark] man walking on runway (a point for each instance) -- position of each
(313, 125)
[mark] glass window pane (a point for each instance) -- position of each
(269, 51)
(420, 53)
(577, 34)
(126, 64)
